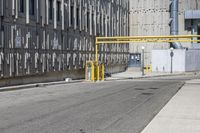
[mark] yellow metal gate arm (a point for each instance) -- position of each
(143, 39)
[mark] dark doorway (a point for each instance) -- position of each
(198, 31)
(135, 60)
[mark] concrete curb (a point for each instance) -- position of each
(28, 86)
(149, 76)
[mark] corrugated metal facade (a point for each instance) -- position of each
(41, 36)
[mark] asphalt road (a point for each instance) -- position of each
(106, 107)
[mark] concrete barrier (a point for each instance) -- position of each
(55, 76)
(116, 68)
(48, 77)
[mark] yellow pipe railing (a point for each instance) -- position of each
(138, 39)
(143, 39)
(146, 41)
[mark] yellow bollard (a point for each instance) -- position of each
(151, 69)
(93, 72)
(98, 72)
(103, 72)
(147, 68)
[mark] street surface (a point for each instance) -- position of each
(121, 106)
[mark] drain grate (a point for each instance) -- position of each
(153, 88)
(147, 94)
(139, 89)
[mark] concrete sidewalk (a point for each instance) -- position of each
(181, 114)
(138, 74)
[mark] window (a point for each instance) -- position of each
(50, 9)
(58, 10)
(32, 7)
(21, 6)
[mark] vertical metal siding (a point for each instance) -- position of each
(37, 45)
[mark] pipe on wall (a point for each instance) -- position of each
(174, 22)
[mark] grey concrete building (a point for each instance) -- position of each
(152, 18)
(47, 36)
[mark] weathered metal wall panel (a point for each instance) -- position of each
(60, 35)
(192, 60)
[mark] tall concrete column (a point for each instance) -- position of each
(69, 12)
(74, 15)
(85, 21)
(90, 12)
(80, 15)
(27, 12)
(16, 8)
(13, 7)
(47, 11)
(63, 14)
(55, 13)
(42, 13)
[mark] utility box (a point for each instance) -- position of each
(94, 71)
(90, 72)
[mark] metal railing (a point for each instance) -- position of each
(144, 39)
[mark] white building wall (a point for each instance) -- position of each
(183, 60)
(164, 63)
(151, 17)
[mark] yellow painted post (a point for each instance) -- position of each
(147, 68)
(86, 71)
(151, 69)
(98, 72)
(97, 59)
(103, 72)
(93, 72)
